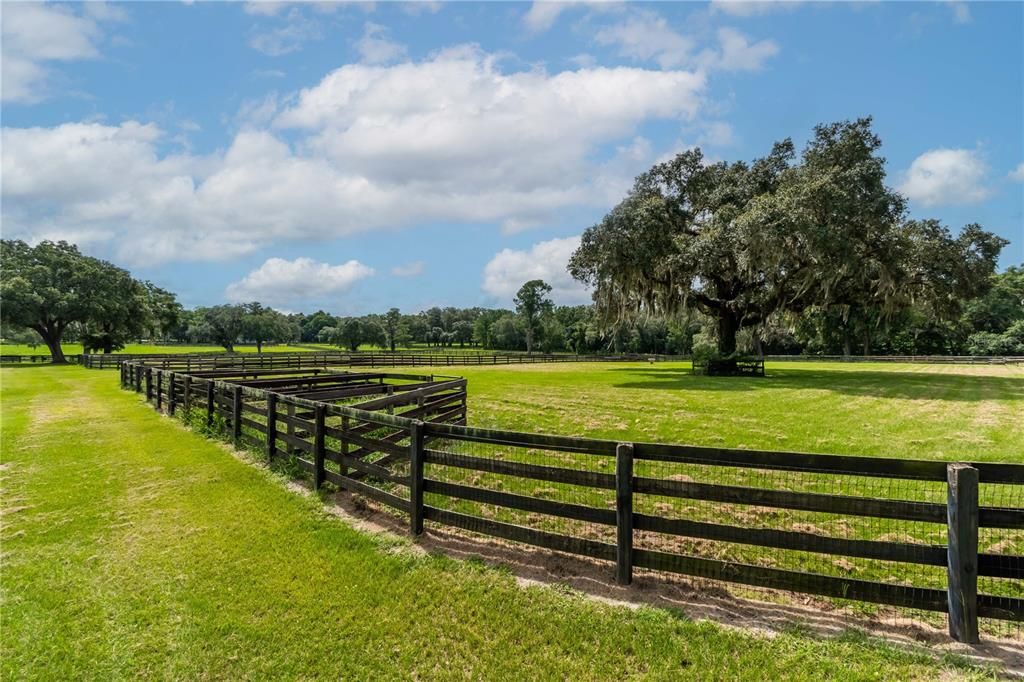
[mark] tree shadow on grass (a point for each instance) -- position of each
(874, 383)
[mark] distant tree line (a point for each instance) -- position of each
(788, 255)
(107, 309)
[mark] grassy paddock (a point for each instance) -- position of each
(133, 549)
(135, 348)
(967, 413)
(950, 412)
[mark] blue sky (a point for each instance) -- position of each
(361, 156)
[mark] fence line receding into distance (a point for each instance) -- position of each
(930, 536)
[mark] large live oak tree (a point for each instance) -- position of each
(741, 242)
(50, 286)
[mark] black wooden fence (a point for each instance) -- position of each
(302, 360)
(927, 535)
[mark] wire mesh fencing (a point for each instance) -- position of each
(872, 540)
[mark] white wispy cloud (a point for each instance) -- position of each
(748, 8)
(645, 35)
(961, 11)
(1018, 173)
(376, 46)
(413, 269)
(543, 14)
(294, 31)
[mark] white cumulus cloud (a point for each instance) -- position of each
(452, 138)
(946, 177)
(35, 35)
(510, 269)
(291, 282)
(1018, 172)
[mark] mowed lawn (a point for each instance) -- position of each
(133, 548)
(955, 412)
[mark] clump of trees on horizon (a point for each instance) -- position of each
(784, 255)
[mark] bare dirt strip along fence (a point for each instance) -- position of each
(941, 539)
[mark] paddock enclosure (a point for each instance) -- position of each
(919, 537)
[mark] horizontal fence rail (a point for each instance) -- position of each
(454, 357)
(450, 358)
(933, 536)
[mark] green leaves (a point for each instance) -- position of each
(52, 285)
(742, 243)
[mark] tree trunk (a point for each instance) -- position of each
(758, 346)
(728, 325)
(52, 340)
(847, 344)
(259, 346)
(529, 341)
(867, 343)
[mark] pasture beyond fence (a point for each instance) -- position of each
(453, 357)
(858, 532)
(302, 360)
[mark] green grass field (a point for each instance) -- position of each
(132, 548)
(973, 413)
(945, 412)
(135, 348)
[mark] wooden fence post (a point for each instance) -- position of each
(210, 388)
(188, 393)
(271, 427)
(318, 446)
(343, 470)
(236, 415)
(159, 390)
(149, 384)
(137, 371)
(962, 515)
(416, 477)
(624, 513)
(171, 398)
